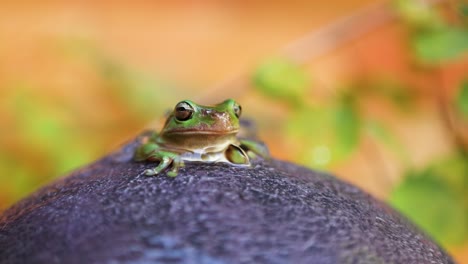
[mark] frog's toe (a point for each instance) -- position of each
(155, 171)
(172, 173)
(174, 170)
(176, 165)
(149, 172)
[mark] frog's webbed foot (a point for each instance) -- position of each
(166, 159)
(254, 148)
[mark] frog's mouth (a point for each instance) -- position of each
(204, 132)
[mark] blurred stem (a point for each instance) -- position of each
(325, 39)
(321, 41)
(379, 166)
(445, 114)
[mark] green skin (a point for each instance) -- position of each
(194, 132)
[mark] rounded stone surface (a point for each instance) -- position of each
(274, 212)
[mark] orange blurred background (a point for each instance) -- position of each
(78, 78)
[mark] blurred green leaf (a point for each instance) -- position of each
(454, 170)
(310, 130)
(46, 132)
(461, 102)
(441, 45)
(16, 180)
(281, 78)
(431, 202)
(463, 8)
(380, 87)
(310, 124)
(325, 134)
(347, 125)
(395, 92)
(419, 14)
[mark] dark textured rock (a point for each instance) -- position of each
(275, 212)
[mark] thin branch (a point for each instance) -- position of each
(378, 164)
(321, 41)
(445, 114)
(343, 30)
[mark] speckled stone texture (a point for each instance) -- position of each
(274, 212)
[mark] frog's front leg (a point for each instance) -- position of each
(153, 152)
(254, 148)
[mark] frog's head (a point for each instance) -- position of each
(191, 118)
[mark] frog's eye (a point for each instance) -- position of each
(183, 111)
(237, 110)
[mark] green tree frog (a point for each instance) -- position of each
(195, 132)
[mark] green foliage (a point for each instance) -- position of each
(309, 126)
(46, 130)
(463, 9)
(49, 135)
(435, 199)
(16, 180)
(433, 39)
(418, 14)
(330, 131)
(347, 124)
(39, 144)
(393, 91)
(281, 78)
(442, 44)
(384, 88)
(326, 131)
(461, 102)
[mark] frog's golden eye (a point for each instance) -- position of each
(237, 110)
(183, 111)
